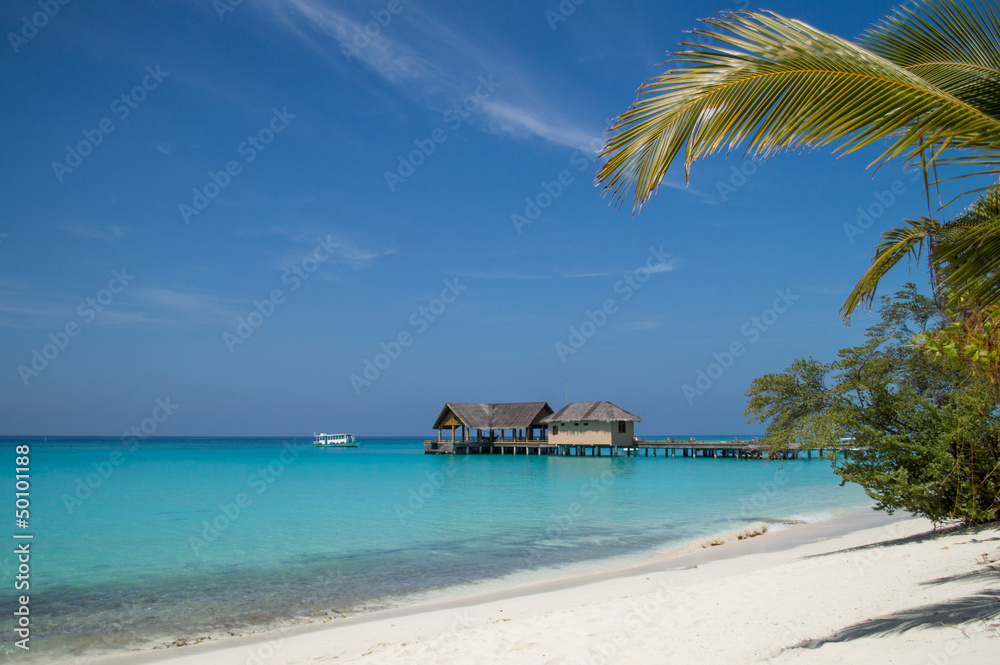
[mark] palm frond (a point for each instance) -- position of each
(896, 244)
(963, 256)
(952, 44)
(772, 83)
(967, 255)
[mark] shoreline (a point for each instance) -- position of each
(779, 534)
(414, 625)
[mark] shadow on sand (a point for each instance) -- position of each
(971, 531)
(982, 605)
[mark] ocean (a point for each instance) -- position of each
(142, 545)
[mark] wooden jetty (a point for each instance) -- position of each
(713, 449)
(581, 429)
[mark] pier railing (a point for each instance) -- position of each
(489, 442)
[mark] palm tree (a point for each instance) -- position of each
(924, 83)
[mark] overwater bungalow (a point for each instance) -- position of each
(486, 424)
(591, 424)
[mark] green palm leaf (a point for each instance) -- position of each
(897, 244)
(967, 256)
(964, 256)
(773, 83)
(954, 46)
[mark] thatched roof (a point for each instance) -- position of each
(596, 411)
(515, 415)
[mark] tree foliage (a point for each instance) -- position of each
(970, 343)
(926, 435)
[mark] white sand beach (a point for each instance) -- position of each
(895, 593)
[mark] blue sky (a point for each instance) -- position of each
(223, 207)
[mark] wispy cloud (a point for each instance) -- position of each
(316, 23)
(558, 273)
(663, 267)
(306, 238)
(521, 121)
(586, 275)
(109, 232)
(666, 266)
(639, 326)
(428, 60)
(504, 274)
(26, 306)
(341, 253)
(163, 304)
(22, 317)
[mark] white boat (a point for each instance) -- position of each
(335, 440)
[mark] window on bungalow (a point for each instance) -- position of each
(621, 426)
(555, 429)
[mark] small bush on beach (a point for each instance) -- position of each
(926, 433)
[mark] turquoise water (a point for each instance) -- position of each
(187, 538)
